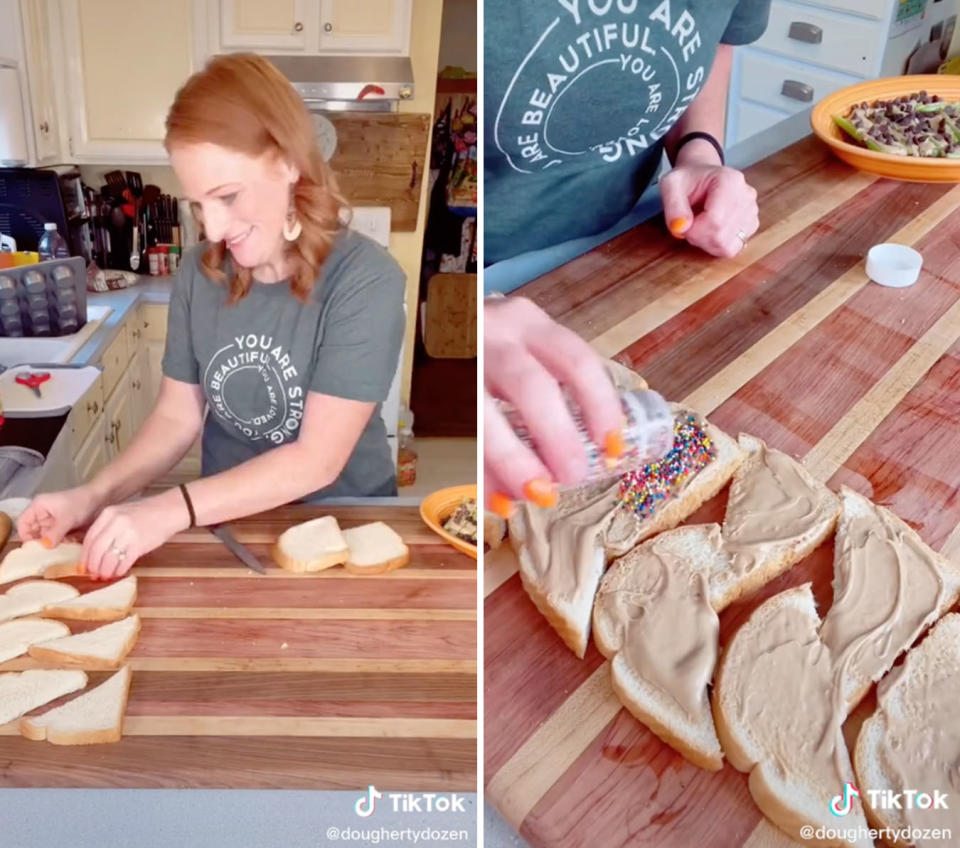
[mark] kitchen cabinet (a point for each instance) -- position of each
(124, 62)
(118, 419)
(138, 377)
(91, 456)
(365, 26)
(310, 26)
(40, 40)
(264, 24)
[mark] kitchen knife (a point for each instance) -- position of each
(241, 552)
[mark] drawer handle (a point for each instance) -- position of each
(809, 33)
(328, 27)
(797, 91)
(298, 27)
(93, 407)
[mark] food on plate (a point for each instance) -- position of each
(912, 125)
(463, 522)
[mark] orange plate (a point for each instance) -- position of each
(911, 168)
(439, 506)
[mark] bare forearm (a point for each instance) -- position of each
(272, 479)
(707, 113)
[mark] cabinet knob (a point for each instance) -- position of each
(803, 31)
(328, 27)
(112, 437)
(93, 407)
(796, 90)
(298, 27)
(44, 127)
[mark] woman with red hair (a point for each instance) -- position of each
(283, 337)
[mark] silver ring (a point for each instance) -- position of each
(742, 236)
(119, 553)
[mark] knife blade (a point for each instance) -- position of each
(240, 551)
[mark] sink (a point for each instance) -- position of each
(52, 350)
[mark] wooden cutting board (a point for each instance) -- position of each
(284, 681)
(788, 341)
(380, 161)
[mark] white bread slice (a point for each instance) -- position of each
(104, 647)
(375, 549)
(630, 611)
(904, 696)
(18, 635)
(311, 546)
(783, 671)
(755, 565)
(111, 603)
(32, 596)
(857, 627)
(93, 718)
(628, 530)
(23, 691)
(562, 587)
(33, 559)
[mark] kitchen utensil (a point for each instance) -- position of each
(33, 380)
(893, 265)
(910, 168)
(438, 507)
(241, 552)
(116, 181)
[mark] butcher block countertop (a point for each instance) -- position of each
(285, 681)
(788, 341)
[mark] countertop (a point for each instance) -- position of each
(788, 341)
(285, 681)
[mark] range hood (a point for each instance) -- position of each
(349, 83)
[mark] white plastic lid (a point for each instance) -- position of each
(893, 265)
(50, 226)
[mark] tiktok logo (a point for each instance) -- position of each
(840, 805)
(365, 804)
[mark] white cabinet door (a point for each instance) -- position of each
(119, 418)
(92, 456)
(365, 26)
(138, 378)
(152, 322)
(125, 61)
(38, 40)
(285, 25)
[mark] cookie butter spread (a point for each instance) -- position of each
(887, 588)
(563, 545)
(920, 745)
(771, 505)
(658, 606)
(782, 687)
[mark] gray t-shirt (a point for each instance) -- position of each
(257, 359)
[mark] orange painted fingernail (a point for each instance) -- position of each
(46, 542)
(501, 505)
(677, 226)
(542, 492)
(83, 568)
(613, 444)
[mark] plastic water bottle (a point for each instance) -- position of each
(52, 244)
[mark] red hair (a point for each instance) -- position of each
(242, 102)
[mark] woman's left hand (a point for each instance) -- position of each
(125, 532)
(727, 207)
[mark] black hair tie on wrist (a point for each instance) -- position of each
(707, 138)
(189, 503)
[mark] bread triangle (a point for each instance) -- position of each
(311, 546)
(93, 718)
(628, 529)
(775, 715)
(23, 691)
(18, 635)
(870, 582)
(909, 743)
(777, 514)
(33, 559)
(32, 596)
(104, 647)
(654, 620)
(110, 603)
(375, 549)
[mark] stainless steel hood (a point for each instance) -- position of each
(349, 83)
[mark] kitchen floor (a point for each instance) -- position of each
(442, 462)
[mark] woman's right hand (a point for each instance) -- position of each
(52, 515)
(527, 358)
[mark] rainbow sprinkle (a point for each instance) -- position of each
(642, 490)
